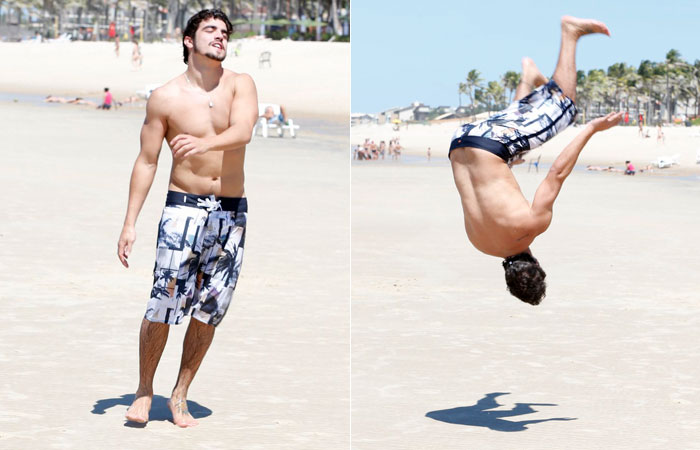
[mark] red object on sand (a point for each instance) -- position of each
(112, 30)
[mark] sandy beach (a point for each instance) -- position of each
(84, 68)
(611, 148)
(443, 357)
(277, 374)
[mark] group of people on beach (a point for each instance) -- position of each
(369, 150)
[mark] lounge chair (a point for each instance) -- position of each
(265, 126)
(666, 161)
(265, 58)
(146, 91)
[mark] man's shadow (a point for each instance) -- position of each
(159, 408)
(479, 415)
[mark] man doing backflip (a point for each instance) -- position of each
(498, 219)
(207, 115)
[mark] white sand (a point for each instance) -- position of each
(309, 78)
(613, 147)
(277, 374)
(613, 344)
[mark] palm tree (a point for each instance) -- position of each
(646, 74)
(480, 97)
(672, 64)
(461, 89)
(582, 93)
(632, 82)
(473, 82)
(695, 80)
(494, 93)
(511, 79)
(617, 74)
(597, 87)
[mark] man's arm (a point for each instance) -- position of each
(152, 134)
(549, 189)
(244, 114)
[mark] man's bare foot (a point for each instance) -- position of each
(579, 27)
(181, 416)
(531, 75)
(138, 411)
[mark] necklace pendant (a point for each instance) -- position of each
(211, 104)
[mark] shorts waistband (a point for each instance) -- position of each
(483, 143)
(209, 202)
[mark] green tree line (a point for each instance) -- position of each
(658, 89)
(156, 19)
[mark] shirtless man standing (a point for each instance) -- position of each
(498, 219)
(207, 115)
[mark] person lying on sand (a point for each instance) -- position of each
(498, 219)
(75, 101)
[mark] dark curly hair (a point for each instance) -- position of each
(194, 22)
(525, 278)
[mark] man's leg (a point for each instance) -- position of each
(197, 340)
(152, 341)
(530, 78)
(572, 28)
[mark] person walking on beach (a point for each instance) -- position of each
(660, 137)
(498, 219)
(207, 115)
(136, 57)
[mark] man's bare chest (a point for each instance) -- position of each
(194, 115)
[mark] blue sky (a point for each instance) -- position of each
(409, 50)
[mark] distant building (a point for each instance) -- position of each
(386, 115)
(419, 112)
(452, 113)
(403, 114)
(422, 112)
(444, 109)
(462, 111)
(362, 118)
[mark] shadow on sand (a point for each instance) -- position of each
(479, 415)
(159, 408)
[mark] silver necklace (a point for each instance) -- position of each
(211, 104)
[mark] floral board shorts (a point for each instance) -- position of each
(198, 259)
(524, 125)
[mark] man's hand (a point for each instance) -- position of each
(126, 241)
(605, 122)
(184, 145)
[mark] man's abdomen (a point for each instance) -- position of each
(218, 173)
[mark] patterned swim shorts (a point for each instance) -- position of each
(199, 256)
(526, 124)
